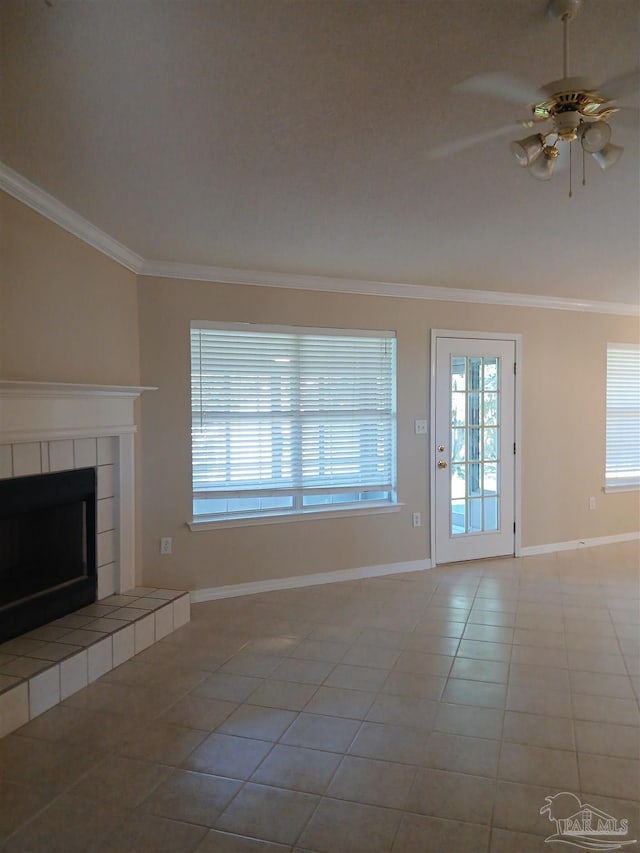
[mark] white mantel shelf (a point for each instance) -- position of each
(36, 411)
(22, 388)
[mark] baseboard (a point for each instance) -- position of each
(532, 550)
(297, 581)
(234, 590)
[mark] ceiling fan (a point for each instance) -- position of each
(571, 108)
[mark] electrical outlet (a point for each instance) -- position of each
(416, 519)
(165, 545)
(592, 503)
(420, 427)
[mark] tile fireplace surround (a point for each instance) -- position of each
(45, 427)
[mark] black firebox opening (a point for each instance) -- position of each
(47, 548)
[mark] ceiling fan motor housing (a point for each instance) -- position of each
(571, 95)
(567, 86)
(566, 124)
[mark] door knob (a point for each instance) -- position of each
(442, 463)
(441, 448)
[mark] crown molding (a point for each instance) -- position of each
(36, 198)
(257, 278)
(23, 190)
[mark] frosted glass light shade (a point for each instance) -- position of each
(527, 150)
(542, 167)
(608, 156)
(595, 136)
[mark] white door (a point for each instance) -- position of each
(474, 448)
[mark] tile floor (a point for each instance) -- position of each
(424, 712)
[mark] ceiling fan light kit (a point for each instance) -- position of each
(542, 167)
(608, 156)
(526, 150)
(595, 136)
(572, 108)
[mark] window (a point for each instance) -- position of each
(289, 420)
(623, 416)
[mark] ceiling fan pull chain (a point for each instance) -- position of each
(570, 169)
(584, 173)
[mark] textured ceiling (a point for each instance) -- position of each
(291, 136)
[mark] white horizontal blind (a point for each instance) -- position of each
(623, 415)
(286, 414)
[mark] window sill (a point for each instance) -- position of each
(306, 515)
(623, 487)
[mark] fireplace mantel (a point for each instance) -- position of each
(37, 411)
(22, 387)
(52, 413)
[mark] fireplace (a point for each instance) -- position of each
(56, 426)
(47, 548)
(80, 438)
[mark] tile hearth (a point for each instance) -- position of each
(47, 665)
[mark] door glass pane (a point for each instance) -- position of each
(458, 450)
(490, 478)
(475, 374)
(458, 522)
(490, 374)
(490, 409)
(474, 459)
(474, 486)
(473, 450)
(458, 373)
(475, 515)
(458, 474)
(458, 416)
(474, 409)
(491, 513)
(490, 444)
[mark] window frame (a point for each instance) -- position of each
(298, 511)
(631, 482)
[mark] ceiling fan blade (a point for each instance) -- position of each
(456, 145)
(627, 116)
(618, 87)
(501, 85)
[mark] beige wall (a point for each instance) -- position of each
(563, 378)
(67, 312)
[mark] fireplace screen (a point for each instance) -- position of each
(47, 548)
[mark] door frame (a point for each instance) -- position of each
(517, 470)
